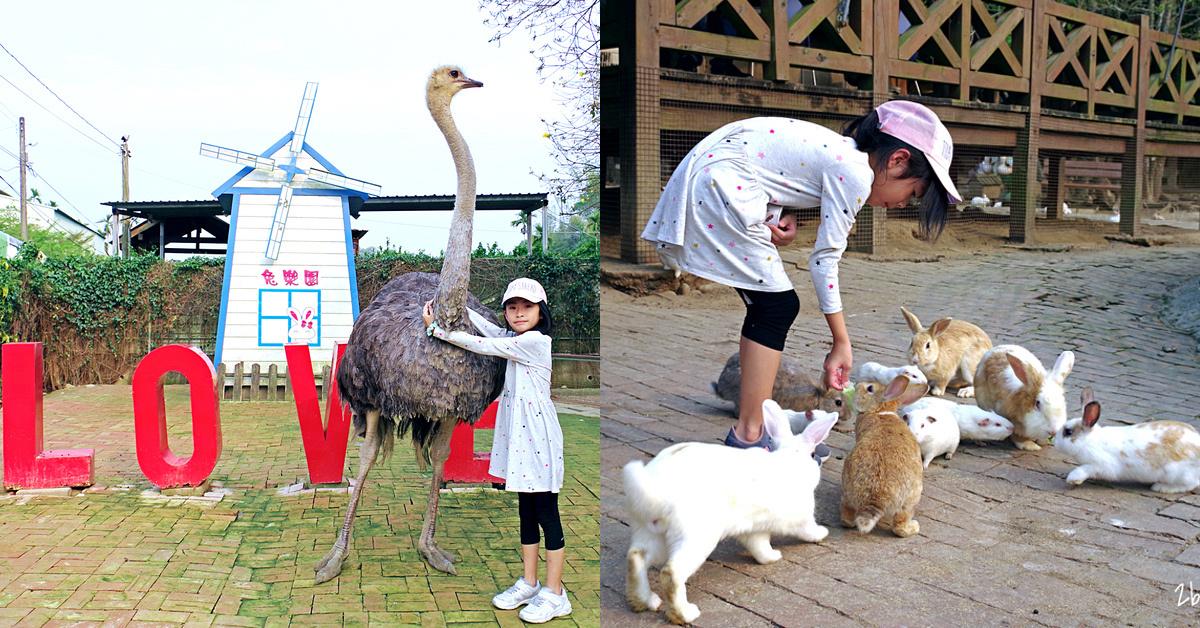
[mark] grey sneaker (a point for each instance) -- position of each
(546, 606)
(520, 593)
(763, 442)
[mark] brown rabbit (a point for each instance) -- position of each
(881, 478)
(795, 389)
(947, 352)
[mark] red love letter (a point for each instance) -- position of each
(161, 467)
(324, 442)
(25, 464)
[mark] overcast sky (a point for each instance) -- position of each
(172, 75)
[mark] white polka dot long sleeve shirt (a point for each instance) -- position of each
(527, 446)
(711, 219)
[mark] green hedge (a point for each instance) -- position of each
(98, 316)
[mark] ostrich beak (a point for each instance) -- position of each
(466, 82)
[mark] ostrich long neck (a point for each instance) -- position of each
(450, 304)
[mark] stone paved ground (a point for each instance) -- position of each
(1004, 541)
(112, 557)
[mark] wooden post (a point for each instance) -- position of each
(1133, 168)
(237, 381)
(221, 381)
(779, 68)
(21, 159)
(1058, 179)
(639, 132)
(323, 391)
(255, 378)
(273, 383)
(1022, 215)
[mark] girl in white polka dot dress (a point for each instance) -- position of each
(721, 217)
(527, 448)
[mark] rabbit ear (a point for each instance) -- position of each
(896, 387)
(1018, 368)
(775, 422)
(308, 313)
(913, 324)
(1062, 367)
(1091, 413)
(294, 314)
(818, 429)
(939, 326)
(1086, 396)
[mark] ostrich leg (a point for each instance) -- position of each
(331, 565)
(439, 450)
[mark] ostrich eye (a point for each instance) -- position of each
(454, 73)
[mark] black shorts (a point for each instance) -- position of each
(769, 315)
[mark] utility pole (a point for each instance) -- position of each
(124, 223)
(23, 158)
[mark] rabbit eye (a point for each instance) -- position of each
(1038, 405)
(870, 389)
(927, 345)
(1067, 433)
(838, 403)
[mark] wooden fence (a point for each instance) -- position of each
(1038, 77)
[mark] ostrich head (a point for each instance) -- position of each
(444, 83)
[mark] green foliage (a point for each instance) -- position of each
(98, 316)
(54, 244)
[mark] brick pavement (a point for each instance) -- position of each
(1004, 541)
(114, 556)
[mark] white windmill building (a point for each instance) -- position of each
(289, 265)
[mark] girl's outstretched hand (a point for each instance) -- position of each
(783, 233)
(427, 312)
(837, 366)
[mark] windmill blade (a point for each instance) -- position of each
(306, 107)
(237, 156)
(278, 222)
(341, 181)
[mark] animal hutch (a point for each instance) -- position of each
(1075, 99)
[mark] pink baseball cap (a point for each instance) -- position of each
(918, 125)
(525, 288)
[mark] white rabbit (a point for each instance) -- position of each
(936, 430)
(876, 372)
(302, 329)
(1164, 454)
(973, 422)
(1011, 382)
(692, 495)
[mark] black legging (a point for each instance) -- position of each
(540, 509)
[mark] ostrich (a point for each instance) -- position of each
(394, 377)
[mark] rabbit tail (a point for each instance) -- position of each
(867, 517)
(642, 502)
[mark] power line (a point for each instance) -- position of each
(58, 97)
(52, 113)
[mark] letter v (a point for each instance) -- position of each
(324, 441)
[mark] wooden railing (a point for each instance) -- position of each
(996, 51)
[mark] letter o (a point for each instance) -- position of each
(163, 468)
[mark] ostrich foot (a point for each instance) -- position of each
(330, 566)
(437, 557)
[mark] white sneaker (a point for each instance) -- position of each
(520, 593)
(546, 606)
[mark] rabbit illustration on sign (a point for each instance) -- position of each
(303, 327)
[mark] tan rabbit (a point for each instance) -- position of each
(947, 352)
(881, 477)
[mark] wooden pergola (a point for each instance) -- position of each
(1029, 78)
